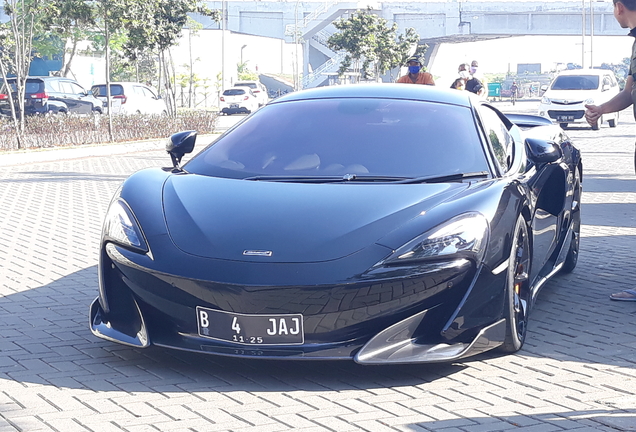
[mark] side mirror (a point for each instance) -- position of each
(180, 144)
(605, 87)
(543, 152)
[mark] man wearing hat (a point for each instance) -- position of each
(416, 75)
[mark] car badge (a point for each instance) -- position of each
(262, 253)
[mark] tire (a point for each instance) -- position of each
(517, 304)
(612, 123)
(573, 253)
(563, 125)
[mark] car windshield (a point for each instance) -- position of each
(233, 92)
(367, 138)
(576, 82)
(115, 90)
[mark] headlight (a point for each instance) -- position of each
(120, 226)
(464, 236)
(545, 101)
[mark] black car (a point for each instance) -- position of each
(56, 95)
(379, 223)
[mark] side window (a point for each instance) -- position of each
(77, 89)
(66, 87)
(149, 93)
(499, 137)
(52, 86)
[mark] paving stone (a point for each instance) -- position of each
(576, 372)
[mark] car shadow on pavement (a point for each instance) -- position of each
(46, 340)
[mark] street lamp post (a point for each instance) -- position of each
(583, 35)
(242, 54)
(591, 33)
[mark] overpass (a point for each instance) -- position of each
(442, 21)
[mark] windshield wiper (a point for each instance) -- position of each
(445, 178)
(328, 179)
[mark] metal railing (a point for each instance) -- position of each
(329, 66)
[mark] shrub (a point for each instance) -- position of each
(73, 130)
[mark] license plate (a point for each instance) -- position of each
(233, 105)
(565, 118)
(282, 329)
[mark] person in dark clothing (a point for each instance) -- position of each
(625, 14)
(473, 84)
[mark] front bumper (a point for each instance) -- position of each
(370, 321)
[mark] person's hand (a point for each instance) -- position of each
(593, 114)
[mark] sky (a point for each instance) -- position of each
(503, 55)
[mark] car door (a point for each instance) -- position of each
(72, 94)
(549, 207)
(84, 98)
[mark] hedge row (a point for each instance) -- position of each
(72, 130)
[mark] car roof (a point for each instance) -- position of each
(585, 72)
(388, 91)
(122, 83)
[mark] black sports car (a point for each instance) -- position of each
(381, 223)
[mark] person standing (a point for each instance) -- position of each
(416, 75)
(514, 92)
(625, 14)
(474, 84)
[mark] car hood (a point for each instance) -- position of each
(289, 222)
(572, 95)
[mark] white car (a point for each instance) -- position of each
(565, 99)
(238, 100)
(131, 98)
(259, 90)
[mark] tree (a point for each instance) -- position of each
(156, 25)
(65, 23)
(367, 39)
(16, 52)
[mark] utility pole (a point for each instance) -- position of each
(583, 36)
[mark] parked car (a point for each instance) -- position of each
(379, 223)
(259, 90)
(44, 95)
(565, 99)
(131, 98)
(238, 100)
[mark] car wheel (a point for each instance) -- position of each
(563, 125)
(612, 123)
(573, 253)
(517, 289)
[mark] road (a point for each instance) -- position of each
(577, 370)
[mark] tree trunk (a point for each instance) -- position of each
(67, 64)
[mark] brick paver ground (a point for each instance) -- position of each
(577, 370)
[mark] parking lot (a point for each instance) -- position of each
(577, 370)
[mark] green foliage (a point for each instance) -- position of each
(244, 73)
(368, 39)
(495, 78)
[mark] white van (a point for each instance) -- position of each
(565, 99)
